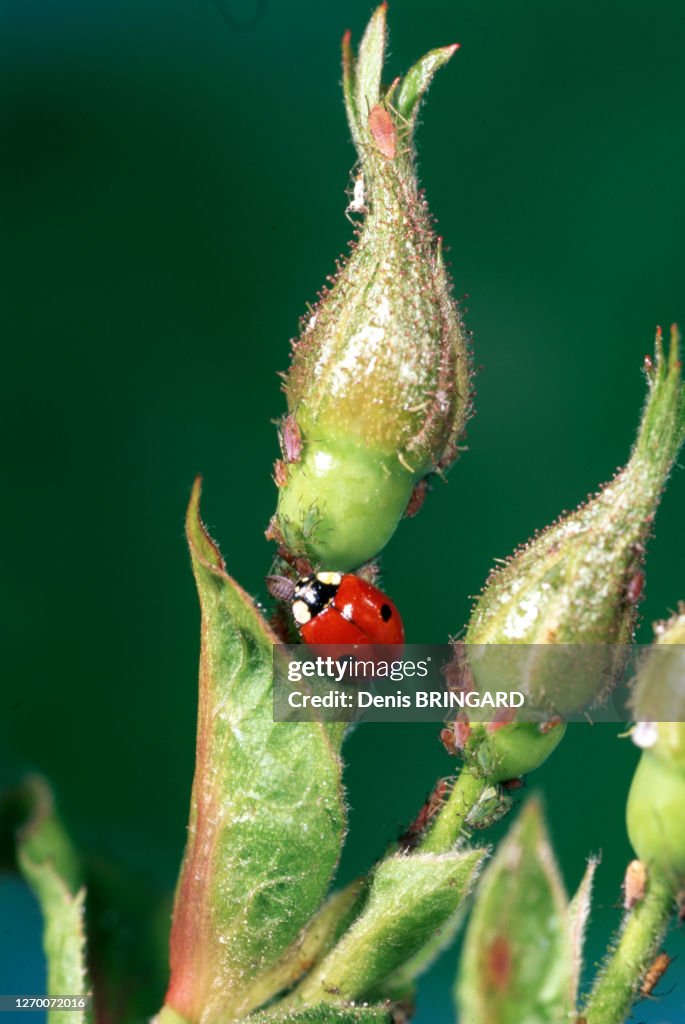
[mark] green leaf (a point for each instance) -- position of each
(49, 863)
(410, 899)
(579, 915)
(369, 66)
(417, 80)
(401, 984)
(662, 430)
(267, 817)
(517, 959)
(325, 1013)
(317, 938)
(350, 89)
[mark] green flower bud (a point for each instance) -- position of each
(378, 389)
(579, 581)
(659, 689)
(500, 751)
(656, 813)
(518, 748)
(656, 803)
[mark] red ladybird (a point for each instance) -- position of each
(339, 608)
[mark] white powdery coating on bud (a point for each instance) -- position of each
(518, 624)
(644, 735)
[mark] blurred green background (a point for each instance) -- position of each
(172, 195)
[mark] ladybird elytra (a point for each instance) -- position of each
(340, 608)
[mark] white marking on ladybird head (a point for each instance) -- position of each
(301, 613)
(331, 579)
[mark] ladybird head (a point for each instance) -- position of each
(312, 594)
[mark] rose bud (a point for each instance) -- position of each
(378, 390)
(580, 580)
(656, 804)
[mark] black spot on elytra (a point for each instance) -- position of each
(386, 612)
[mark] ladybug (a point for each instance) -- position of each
(339, 608)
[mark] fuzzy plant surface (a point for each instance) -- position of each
(378, 392)
(379, 385)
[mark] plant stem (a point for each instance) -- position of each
(449, 823)
(619, 980)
